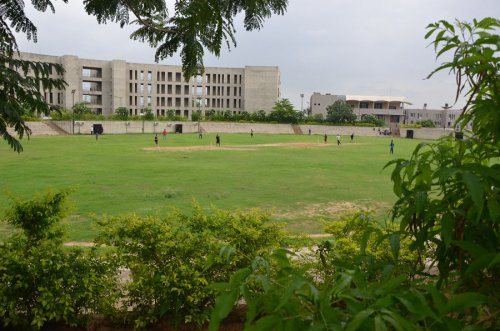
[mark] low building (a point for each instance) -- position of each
(107, 85)
(441, 118)
(390, 109)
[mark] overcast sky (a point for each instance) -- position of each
(359, 47)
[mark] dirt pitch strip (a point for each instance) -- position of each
(234, 147)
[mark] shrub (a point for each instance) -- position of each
(174, 259)
(372, 119)
(40, 280)
(361, 240)
(426, 124)
(411, 126)
(121, 113)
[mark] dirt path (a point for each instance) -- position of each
(234, 147)
(91, 244)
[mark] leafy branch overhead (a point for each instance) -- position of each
(191, 27)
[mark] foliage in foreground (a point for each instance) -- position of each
(448, 202)
(174, 259)
(42, 281)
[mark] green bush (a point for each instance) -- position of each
(121, 114)
(41, 281)
(174, 259)
(411, 126)
(426, 124)
(366, 118)
(361, 240)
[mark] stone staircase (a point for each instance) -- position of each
(55, 128)
(44, 128)
(296, 129)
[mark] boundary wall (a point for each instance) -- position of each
(428, 133)
(123, 127)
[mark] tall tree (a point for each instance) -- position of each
(340, 112)
(283, 112)
(192, 27)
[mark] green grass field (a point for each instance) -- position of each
(296, 184)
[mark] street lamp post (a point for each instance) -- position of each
(301, 102)
(142, 115)
(73, 112)
(199, 113)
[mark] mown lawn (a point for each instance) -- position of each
(296, 184)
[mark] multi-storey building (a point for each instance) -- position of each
(107, 85)
(442, 118)
(388, 108)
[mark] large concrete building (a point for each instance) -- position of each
(107, 85)
(442, 118)
(390, 109)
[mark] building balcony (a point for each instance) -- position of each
(375, 112)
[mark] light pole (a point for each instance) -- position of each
(73, 112)
(142, 115)
(302, 102)
(199, 113)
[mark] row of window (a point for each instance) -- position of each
(177, 112)
(169, 89)
(184, 102)
(162, 76)
(437, 116)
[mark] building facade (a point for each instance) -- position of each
(387, 108)
(107, 85)
(442, 118)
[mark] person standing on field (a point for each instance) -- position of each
(338, 139)
(392, 146)
(352, 137)
(156, 139)
(217, 140)
(326, 138)
(164, 133)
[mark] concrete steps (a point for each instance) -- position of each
(296, 129)
(41, 129)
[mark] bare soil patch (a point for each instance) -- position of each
(233, 147)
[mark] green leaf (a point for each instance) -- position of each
(358, 319)
(475, 190)
(268, 322)
(223, 306)
(481, 262)
(447, 224)
(379, 324)
(438, 298)
(394, 240)
(239, 277)
(494, 209)
(460, 302)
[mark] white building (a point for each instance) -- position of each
(390, 109)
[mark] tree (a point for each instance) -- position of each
(340, 112)
(259, 116)
(449, 196)
(22, 83)
(148, 114)
(190, 28)
(283, 112)
(372, 119)
(80, 109)
(121, 113)
(426, 123)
